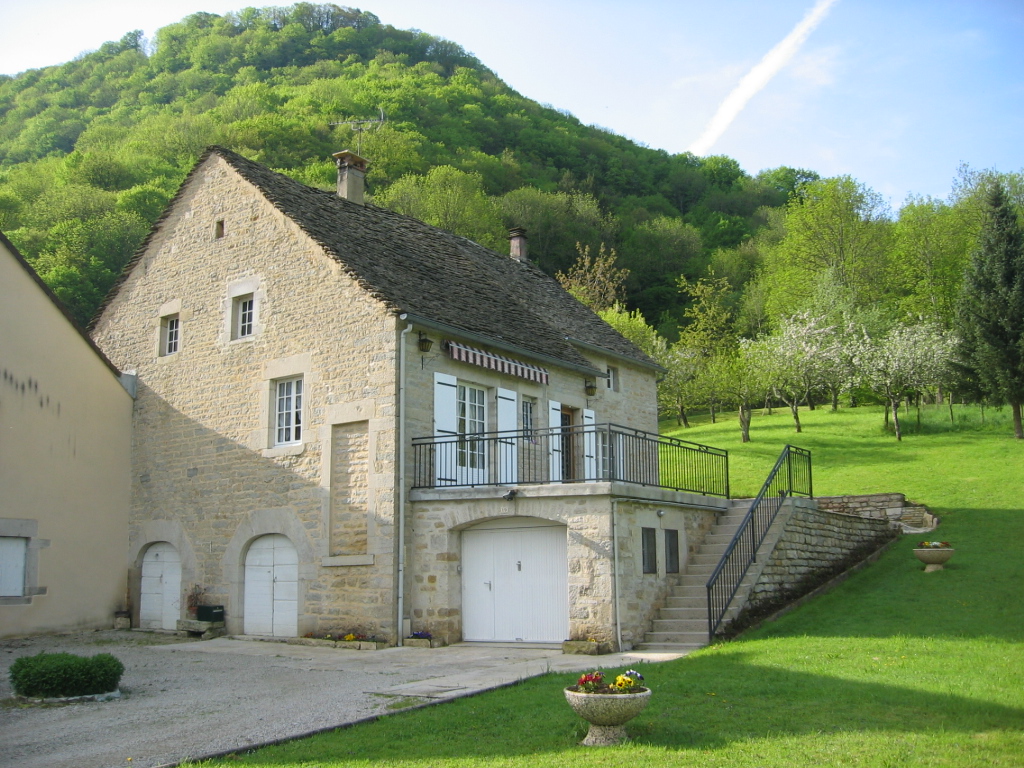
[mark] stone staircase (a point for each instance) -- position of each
(682, 624)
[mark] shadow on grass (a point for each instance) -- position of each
(700, 703)
(968, 598)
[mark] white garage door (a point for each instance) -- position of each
(272, 587)
(160, 606)
(515, 582)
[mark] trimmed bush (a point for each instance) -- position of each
(50, 675)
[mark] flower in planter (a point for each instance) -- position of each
(593, 682)
(935, 545)
(421, 635)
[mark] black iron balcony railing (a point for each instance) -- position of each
(791, 476)
(577, 454)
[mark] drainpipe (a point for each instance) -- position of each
(615, 575)
(401, 481)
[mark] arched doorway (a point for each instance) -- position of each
(160, 594)
(271, 602)
(515, 581)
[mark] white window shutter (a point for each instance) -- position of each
(589, 446)
(508, 449)
(445, 427)
(555, 439)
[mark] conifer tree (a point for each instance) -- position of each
(991, 316)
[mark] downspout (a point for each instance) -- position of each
(615, 576)
(401, 482)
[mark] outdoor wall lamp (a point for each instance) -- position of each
(424, 343)
(589, 387)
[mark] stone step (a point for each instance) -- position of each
(697, 601)
(717, 540)
(702, 559)
(694, 638)
(662, 626)
(683, 612)
(669, 647)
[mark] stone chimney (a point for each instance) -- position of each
(517, 243)
(351, 172)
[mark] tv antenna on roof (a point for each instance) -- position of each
(362, 125)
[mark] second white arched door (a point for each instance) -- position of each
(271, 603)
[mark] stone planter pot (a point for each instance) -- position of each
(934, 557)
(607, 713)
(422, 642)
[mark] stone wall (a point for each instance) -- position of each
(439, 518)
(893, 507)
(206, 473)
(812, 545)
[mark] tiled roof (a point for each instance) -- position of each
(417, 269)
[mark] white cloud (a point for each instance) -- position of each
(759, 76)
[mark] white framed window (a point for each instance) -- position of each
(288, 411)
(471, 413)
(170, 334)
(612, 382)
(13, 558)
(529, 409)
(243, 320)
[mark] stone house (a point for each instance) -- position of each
(65, 440)
(348, 420)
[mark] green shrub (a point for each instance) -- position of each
(50, 675)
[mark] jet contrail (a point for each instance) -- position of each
(759, 76)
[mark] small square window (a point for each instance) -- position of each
(649, 541)
(288, 410)
(243, 316)
(671, 551)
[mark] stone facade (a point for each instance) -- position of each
(211, 475)
(206, 474)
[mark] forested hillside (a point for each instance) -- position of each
(91, 150)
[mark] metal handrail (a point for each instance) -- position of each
(580, 453)
(791, 476)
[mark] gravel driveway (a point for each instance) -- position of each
(186, 699)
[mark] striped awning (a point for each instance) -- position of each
(494, 362)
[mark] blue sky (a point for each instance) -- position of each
(896, 93)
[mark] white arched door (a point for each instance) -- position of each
(271, 605)
(160, 604)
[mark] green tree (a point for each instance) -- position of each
(991, 317)
(595, 280)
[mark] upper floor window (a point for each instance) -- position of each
(528, 406)
(288, 410)
(244, 314)
(612, 382)
(170, 334)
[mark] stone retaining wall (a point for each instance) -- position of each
(814, 543)
(893, 507)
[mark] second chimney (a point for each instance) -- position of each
(351, 173)
(517, 243)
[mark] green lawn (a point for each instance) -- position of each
(893, 668)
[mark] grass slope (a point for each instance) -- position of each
(894, 668)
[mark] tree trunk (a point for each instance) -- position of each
(938, 395)
(1018, 432)
(744, 424)
(682, 417)
(794, 407)
(950, 400)
(896, 418)
(887, 417)
(835, 399)
(713, 412)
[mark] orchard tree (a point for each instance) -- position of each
(795, 360)
(907, 360)
(991, 317)
(594, 280)
(744, 377)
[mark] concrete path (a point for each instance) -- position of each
(188, 700)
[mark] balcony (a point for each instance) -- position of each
(587, 453)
